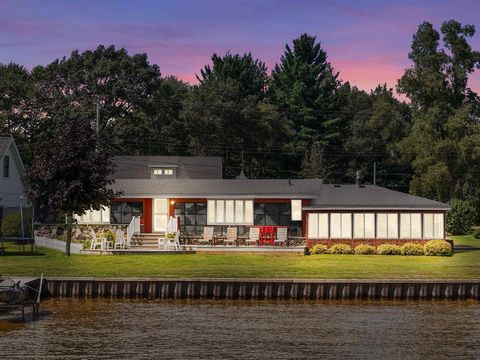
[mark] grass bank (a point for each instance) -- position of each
(465, 265)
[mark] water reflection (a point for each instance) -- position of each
(114, 329)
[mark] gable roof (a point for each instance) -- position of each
(370, 197)
(187, 167)
(4, 145)
(220, 188)
(7, 143)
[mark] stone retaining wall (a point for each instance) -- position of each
(263, 289)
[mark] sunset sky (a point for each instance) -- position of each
(366, 41)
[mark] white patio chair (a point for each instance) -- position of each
(120, 241)
(207, 236)
(231, 236)
(282, 236)
(253, 236)
(173, 243)
(162, 243)
(96, 241)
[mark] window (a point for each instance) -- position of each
(340, 225)
(410, 226)
(230, 212)
(6, 166)
(387, 226)
(296, 210)
(318, 226)
(433, 226)
(101, 216)
(364, 226)
(122, 212)
(192, 216)
(162, 172)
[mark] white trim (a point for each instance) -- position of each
(306, 208)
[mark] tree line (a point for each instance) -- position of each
(298, 120)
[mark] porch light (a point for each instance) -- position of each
(172, 202)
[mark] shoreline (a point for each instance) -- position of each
(268, 289)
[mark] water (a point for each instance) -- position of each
(114, 329)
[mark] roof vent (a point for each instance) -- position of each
(361, 186)
(336, 185)
(289, 182)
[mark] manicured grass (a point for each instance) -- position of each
(51, 263)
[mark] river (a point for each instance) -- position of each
(136, 329)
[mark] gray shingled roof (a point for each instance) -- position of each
(188, 167)
(370, 196)
(4, 144)
(248, 188)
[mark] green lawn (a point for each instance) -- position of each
(51, 263)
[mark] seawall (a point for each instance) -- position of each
(263, 289)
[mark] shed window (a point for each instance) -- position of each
(6, 166)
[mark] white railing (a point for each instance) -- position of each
(172, 225)
(133, 228)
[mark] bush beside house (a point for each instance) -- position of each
(460, 218)
(437, 248)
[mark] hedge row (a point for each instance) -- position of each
(431, 248)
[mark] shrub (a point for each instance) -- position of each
(109, 235)
(476, 234)
(411, 249)
(11, 225)
(388, 249)
(365, 249)
(437, 248)
(340, 249)
(319, 249)
(460, 218)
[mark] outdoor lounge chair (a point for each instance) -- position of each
(232, 236)
(102, 242)
(207, 236)
(120, 241)
(173, 243)
(253, 236)
(282, 236)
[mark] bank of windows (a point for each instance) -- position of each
(192, 216)
(230, 212)
(379, 225)
(101, 216)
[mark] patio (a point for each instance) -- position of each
(260, 239)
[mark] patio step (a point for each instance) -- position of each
(147, 239)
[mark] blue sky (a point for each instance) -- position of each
(367, 41)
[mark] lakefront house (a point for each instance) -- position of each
(192, 191)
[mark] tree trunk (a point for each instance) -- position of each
(69, 233)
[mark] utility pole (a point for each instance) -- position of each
(97, 125)
(374, 173)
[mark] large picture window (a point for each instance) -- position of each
(340, 225)
(432, 226)
(122, 212)
(193, 216)
(410, 226)
(364, 225)
(318, 226)
(230, 212)
(387, 226)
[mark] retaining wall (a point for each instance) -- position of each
(59, 245)
(263, 289)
